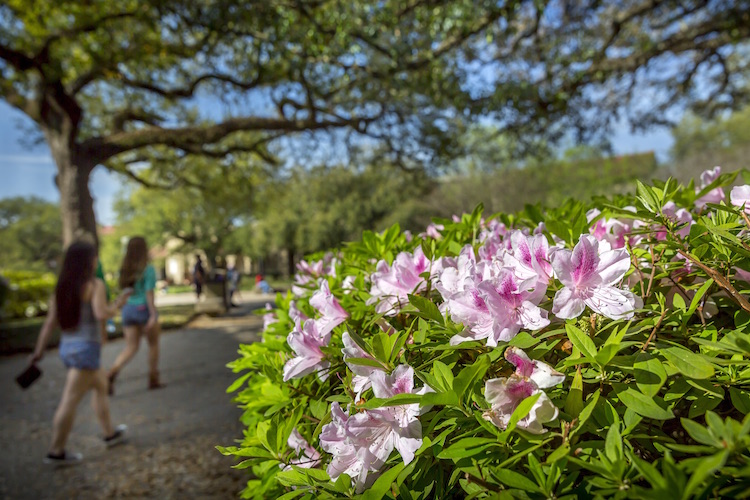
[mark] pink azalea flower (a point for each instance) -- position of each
(611, 230)
(362, 374)
(496, 309)
(350, 455)
(740, 197)
(269, 318)
(589, 274)
(361, 443)
(457, 274)
(716, 195)
(493, 239)
(307, 456)
(505, 394)
(529, 257)
(297, 316)
(433, 231)
(306, 344)
(331, 311)
(678, 216)
(741, 274)
(393, 426)
(311, 272)
(392, 284)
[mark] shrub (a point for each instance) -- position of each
(591, 350)
(28, 294)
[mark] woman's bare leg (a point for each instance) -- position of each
(132, 339)
(100, 402)
(152, 336)
(77, 382)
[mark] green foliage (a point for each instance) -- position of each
(551, 182)
(320, 208)
(28, 293)
(203, 214)
(653, 406)
(30, 236)
(723, 141)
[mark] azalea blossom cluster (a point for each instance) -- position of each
(496, 296)
(512, 280)
(361, 443)
(309, 335)
(505, 394)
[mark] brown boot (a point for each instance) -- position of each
(153, 381)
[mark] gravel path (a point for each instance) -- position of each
(172, 431)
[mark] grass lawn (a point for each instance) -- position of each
(20, 335)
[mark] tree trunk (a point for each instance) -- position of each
(76, 203)
(291, 265)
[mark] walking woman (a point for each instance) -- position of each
(78, 306)
(139, 315)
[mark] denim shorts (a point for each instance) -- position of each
(81, 354)
(135, 315)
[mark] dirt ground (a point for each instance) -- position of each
(172, 431)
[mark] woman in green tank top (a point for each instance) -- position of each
(139, 317)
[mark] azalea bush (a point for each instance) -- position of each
(588, 350)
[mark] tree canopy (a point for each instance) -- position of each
(116, 83)
(29, 233)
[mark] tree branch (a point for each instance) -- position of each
(102, 148)
(18, 60)
(189, 89)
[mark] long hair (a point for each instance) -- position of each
(77, 270)
(134, 262)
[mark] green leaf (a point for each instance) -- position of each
(397, 400)
(688, 363)
(515, 480)
(383, 484)
(292, 494)
(645, 406)
(467, 447)
(521, 412)
(581, 341)
(586, 413)
(366, 362)
(648, 471)
(606, 353)
(706, 467)
(699, 433)
(523, 341)
(697, 300)
(613, 443)
(740, 400)
(574, 400)
(448, 398)
(427, 308)
(470, 374)
(650, 375)
(443, 374)
(238, 383)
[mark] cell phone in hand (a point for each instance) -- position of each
(127, 290)
(29, 376)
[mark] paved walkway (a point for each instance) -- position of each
(172, 432)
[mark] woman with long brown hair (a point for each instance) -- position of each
(139, 315)
(77, 307)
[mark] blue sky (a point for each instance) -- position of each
(27, 170)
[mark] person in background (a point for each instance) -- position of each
(78, 305)
(262, 284)
(199, 276)
(233, 282)
(139, 316)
